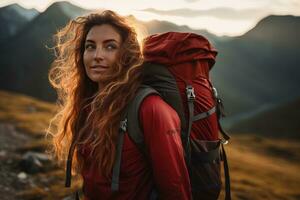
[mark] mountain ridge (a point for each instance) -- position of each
(277, 121)
(37, 35)
(248, 73)
(13, 18)
(255, 72)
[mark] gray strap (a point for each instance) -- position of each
(204, 114)
(78, 194)
(134, 128)
(117, 164)
(134, 131)
(69, 167)
(227, 177)
(190, 100)
(220, 112)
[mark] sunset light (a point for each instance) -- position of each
(228, 17)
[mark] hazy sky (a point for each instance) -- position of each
(221, 17)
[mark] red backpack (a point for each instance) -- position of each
(177, 68)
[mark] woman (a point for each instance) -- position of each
(97, 72)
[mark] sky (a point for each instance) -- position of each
(220, 17)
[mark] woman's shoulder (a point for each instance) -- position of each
(155, 105)
(153, 101)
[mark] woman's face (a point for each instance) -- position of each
(101, 48)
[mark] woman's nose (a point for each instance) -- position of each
(99, 54)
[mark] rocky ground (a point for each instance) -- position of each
(25, 173)
(12, 179)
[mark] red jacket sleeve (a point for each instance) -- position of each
(161, 127)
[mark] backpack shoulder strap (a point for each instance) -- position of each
(134, 128)
(130, 124)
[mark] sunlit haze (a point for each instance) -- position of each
(220, 17)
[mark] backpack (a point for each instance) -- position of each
(177, 69)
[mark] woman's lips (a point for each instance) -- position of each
(98, 68)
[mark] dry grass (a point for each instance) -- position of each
(35, 145)
(28, 114)
(258, 174)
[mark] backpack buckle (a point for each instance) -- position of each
(190, 93)
(123, 125)
(215, 92)
(223, 141)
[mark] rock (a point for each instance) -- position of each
(22, 175)
(3, 153)
(40, 156)
(33, 162)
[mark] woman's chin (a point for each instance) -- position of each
(96, 78)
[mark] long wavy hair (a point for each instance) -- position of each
(85, 114)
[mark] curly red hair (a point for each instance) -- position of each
(74, 124)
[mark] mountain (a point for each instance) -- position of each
(25, 61)
(252, 71)
(34, 59)
(278, 120)
(260, 67)
(12, 18)
(274, 29)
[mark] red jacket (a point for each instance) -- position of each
(165, 168)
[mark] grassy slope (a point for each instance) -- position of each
(264, 168)
(26, 113)
(261, 168)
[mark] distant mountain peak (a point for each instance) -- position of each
(62, 4)
(67, 8)
(279, 17)
(275, 27)
(278, 20)
(12, 18)
(12, 6)
(16, 8)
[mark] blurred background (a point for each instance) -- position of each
(257, 74)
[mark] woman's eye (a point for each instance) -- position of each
(88, 46)
(111, 47)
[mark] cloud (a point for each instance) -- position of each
(221, 12)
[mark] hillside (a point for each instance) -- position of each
(13, 18)
(261, 66)
(33, 57)
(277, 121)
(253, 160)
(273, 28)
